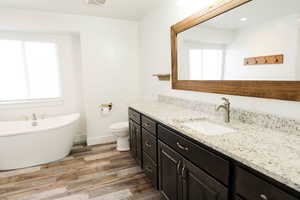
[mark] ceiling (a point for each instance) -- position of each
(120, 9)
(256, 12)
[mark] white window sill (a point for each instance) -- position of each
(31, 103)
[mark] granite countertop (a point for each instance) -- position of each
(273, 153)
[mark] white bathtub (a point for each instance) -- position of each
(23, 145)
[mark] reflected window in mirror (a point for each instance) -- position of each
(206, 64)
(201, 61)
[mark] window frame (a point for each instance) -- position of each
(37, 37)
(194, 45)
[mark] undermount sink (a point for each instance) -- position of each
(208, 128)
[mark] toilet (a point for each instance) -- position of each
(121, 131)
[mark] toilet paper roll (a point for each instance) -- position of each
(105, 111)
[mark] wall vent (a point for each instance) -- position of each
(96, 2)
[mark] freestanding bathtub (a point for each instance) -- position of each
(24, 145)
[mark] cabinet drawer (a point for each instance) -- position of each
(206, 160)
(150, 170)
(149, 125)
(135, 116)
(249, 186)
(149, 145)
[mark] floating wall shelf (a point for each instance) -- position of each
(163, 77)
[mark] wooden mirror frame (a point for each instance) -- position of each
(283, 90)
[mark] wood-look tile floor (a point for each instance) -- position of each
(89, 173)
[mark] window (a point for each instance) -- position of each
(28, 70)
(206, 64)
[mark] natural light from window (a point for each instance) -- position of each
(206, 64)
(29, 70)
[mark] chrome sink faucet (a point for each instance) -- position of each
(226, 107)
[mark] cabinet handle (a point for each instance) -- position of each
(182, 147)
(183, 172)
(178, 167)
(146, 125)
(148, 144)
(263, 197)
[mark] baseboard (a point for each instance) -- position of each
(80, 139)
(100, 140)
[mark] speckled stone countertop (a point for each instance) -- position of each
(273, 153)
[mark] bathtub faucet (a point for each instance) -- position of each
(34, 120)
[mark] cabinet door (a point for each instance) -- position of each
(198, 185)
(150, 169)
(237, 198)
(132, 139)
(135, 141)
(170, 182)
(139, 152)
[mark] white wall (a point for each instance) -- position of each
(298, 53)
(271, 38)
(109, 56)
(204, 34)
(156, 58)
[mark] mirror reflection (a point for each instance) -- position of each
(257, 41)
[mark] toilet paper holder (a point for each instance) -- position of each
(109, 106)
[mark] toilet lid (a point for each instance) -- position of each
(119, 126)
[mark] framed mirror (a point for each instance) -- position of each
(240, 47)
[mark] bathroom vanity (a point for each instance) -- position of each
(234, 47)
(185, 164)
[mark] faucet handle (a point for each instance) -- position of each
(226, 100)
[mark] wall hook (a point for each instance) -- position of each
(261, 60)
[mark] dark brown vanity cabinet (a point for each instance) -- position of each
(184, 169)
(150, 169)
(135, 141)
(249, 186)
(149, 146)
(199, 185)
(135, 136)
(179, 179)
(143, 144)
(134, 116)
(213, 164)
(149, 125)
(170, 182)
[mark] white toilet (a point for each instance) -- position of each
(121, 131)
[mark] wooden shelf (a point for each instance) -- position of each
(265, 60)
(163, 77)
